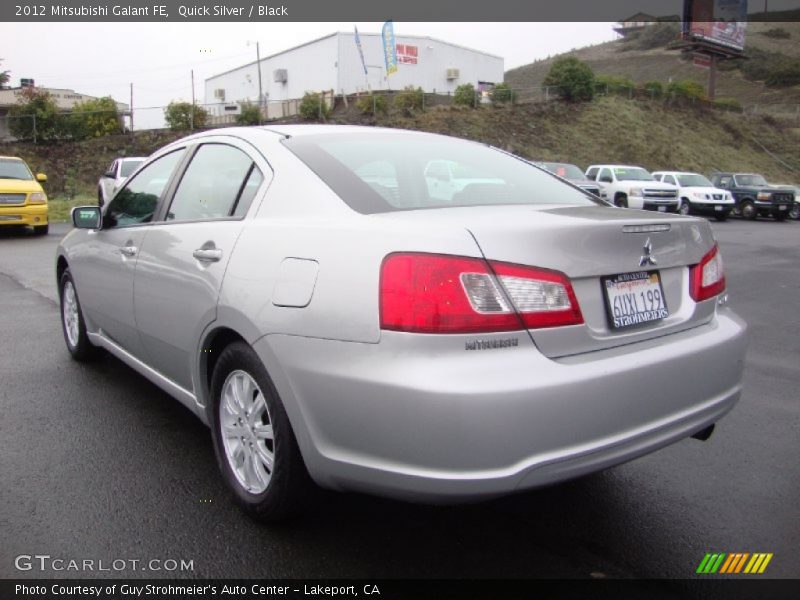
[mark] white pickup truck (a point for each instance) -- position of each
(633, 187)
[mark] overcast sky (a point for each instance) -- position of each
(102, 59)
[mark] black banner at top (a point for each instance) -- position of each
(363, 10)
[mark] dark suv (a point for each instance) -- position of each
(753, 196)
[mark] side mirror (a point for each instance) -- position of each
(41, 177)
(110, 175)
(86, 217)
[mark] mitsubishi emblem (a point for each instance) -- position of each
(647, 258)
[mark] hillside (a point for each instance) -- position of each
(610, 129)
(631, 57)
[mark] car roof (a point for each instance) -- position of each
(676, 173)
(12, 158)
(129, 158)
(616, 167)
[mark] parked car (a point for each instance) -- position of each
(697, 194)
(794, 212)
(518, 334)
(573, 174)
(633, 187)
(754, 197)
(118, 172)
(446, 178)
(22, 199)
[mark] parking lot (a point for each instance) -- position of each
(97, 463)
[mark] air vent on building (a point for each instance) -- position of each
(219, 94)
(452, 74)
(280, 75)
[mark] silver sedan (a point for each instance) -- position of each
(312, 295)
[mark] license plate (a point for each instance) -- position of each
(634, 298)
(782, 207)
(662, 209)
(718, 208)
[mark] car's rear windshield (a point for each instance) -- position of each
(14, 169)
(129, 166)
(386, 172)
(694, 180)
(632, 174)
(565, 170)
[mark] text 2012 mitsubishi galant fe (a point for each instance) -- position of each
(334, 316)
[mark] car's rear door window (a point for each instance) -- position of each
(212, 187)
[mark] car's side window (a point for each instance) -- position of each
(592, 173)
(214, 184)
(249, 190)
(669, 179)
(136, 202)
(605, 175)
(724, 182)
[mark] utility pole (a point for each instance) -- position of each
(131, 110)
(260, 91)
(712, 77)
(191, 114)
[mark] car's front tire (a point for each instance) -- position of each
(684, 208)
(254, 444)
(72, 322)
(749, 211)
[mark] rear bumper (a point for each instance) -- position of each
(33, 215)
(421, 418)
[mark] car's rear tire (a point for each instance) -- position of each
(795, 212)
(621, 200)
(254, 444)
(41, 229)
(684, 208)
(72, 322)
(749, 211)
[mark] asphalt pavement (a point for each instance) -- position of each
(96, 463)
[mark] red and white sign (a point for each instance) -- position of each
(407, 54)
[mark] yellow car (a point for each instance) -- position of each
(22, 199)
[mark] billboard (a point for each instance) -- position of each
(716, 23)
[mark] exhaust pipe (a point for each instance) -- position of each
(704, 434)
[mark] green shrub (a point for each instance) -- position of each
(249, 115)
(49, 125)
(94, 118)
(502, 93)
(686, 90)
(659, 35)
(573, 78)
(614, 84)
(654, 89)
(728, 104)
(784, 74)
(181, 116)
(372, 104)
(410, 98)
(777, 33)
(465, 95)
(313, 107)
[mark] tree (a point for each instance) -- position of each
(249, 115)
(573, 78)
(36, 115)
(465, 95)
(185, 115)
(95, 118)
(4, 76)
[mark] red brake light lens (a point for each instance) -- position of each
(434, 293)
(707, 279)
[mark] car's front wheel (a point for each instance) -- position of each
(254, 443)
(795, 212)
(685, 208)
(749, 211)
(72, 322)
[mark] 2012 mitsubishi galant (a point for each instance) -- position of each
(333, 315)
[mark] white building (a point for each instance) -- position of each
(332, 63)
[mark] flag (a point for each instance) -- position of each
(360, 50)
(389, 49)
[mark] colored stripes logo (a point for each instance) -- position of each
(735, 562)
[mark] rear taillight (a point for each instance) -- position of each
(707, 279)
(434, 293)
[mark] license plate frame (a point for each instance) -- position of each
(617, 290)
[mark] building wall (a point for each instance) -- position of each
(433, 59)
(309, 67)
(333, 63)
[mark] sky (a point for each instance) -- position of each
(103, 59)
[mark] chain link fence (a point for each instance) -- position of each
(322, 106)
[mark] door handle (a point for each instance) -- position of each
(207, 254)
(128, 250)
